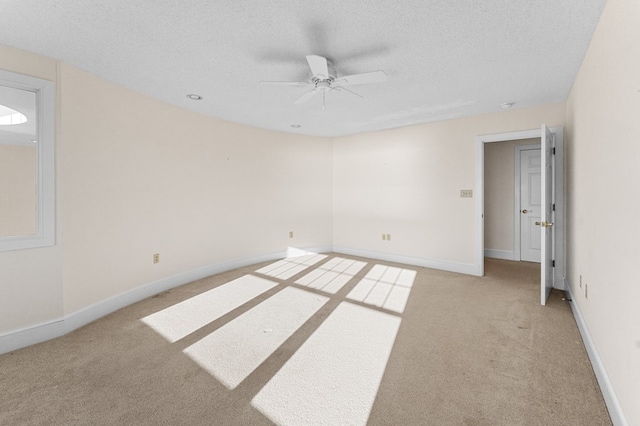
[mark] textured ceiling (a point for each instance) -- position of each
(444, 58)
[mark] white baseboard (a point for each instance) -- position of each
(611, 400)
(462, 268)
(42, 332)
(499, 254)
(31, 335)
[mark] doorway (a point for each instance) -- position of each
(558, 198)
(512, 200)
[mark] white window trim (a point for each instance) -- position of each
(45, 180)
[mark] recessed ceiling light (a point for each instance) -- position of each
(194, 97)
(507, 105)
(296, 126)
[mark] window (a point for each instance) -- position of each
(26, 162)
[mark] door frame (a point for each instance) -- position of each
(558, 197)
(517, 218)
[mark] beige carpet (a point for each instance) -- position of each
(464, 351)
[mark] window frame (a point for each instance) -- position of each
(45, 167)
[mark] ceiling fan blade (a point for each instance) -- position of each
(340, 89)
(318, 65)
(306, 96)
(286, 83)
(364, 78)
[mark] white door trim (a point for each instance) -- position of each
(558, 197)
(517, 217)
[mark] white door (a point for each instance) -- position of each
(530, 205)
(546, 222)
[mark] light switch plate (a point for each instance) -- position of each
(466, 193)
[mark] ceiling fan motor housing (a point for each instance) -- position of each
(324, 85)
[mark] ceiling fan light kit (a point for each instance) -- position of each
(323, 82)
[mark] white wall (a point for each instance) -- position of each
(603, 177)
(407, 182)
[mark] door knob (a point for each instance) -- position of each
(525, 211)
(544, 224)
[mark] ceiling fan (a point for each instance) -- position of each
(323, 82)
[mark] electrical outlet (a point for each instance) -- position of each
(384, 237)
(388, 237)
(290, 234)
(156, 258)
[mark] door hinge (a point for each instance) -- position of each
(553, 263)
(554, 151)
(554, 207)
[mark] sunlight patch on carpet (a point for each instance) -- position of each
(334, 377)
(233, 351)
(182, 319)
(290, 266)
(333, 275)
(386, 287)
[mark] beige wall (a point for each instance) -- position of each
(407, 182)
(17, 190)
(141, 177)
(499, 193)
(603, 177)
